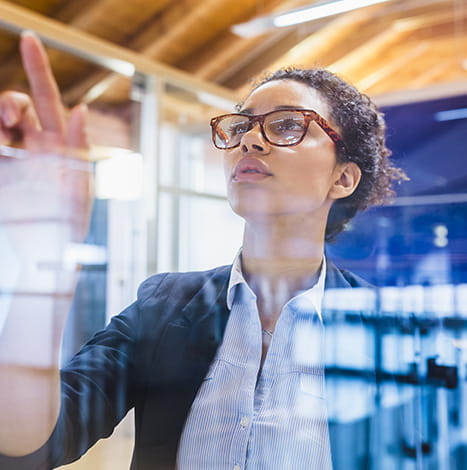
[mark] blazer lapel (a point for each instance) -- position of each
(186, 349)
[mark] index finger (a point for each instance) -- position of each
(44, 89)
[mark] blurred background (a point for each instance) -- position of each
(154, 71)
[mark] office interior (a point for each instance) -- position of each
(153, 73)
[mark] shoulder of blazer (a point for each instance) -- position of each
(341, 278)
(181, 286)
(348, 294)
(193, 300)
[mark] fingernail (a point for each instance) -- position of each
(28, 33)
(9, 118)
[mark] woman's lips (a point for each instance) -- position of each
(250, 170)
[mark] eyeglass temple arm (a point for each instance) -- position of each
(217, 130)
(221, 133)
(335, 137)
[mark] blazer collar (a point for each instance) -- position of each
(212, 293)
(334, 277)
(206, 313)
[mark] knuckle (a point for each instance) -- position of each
(15, 98)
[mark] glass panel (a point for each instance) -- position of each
(189, 160)
(380, 369)
(414, 252)
(60, 271)
(201, 165)
(211, 243)
(168, 233)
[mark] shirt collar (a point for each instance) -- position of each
(314, 294)
(236, 277)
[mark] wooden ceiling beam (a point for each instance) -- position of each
(97, 50)
(218, 59)
(331, 41)
(374, 47)
(115, 88)
(356, 64)
(225, 58)
(115, 20)
(226, 53)
(171, 37)
(317, 46)
(219, 63)
(95, 19)
(182, 28)
(437, 73)
(425, 70)
(429, 20)
(189, 30)
(70, 9)
(388, 68)
(45, 7)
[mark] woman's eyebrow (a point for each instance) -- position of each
(276, 108)
(288, 106)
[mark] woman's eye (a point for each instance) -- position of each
(238, 128)
(287, 125)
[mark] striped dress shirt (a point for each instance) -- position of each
(277, 420)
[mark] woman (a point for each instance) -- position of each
(224, 368)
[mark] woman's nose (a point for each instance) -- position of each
(254, 141)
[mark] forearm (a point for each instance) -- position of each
(29, 405)
(44, 207)
(33, 311)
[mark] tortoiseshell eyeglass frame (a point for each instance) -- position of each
(308, 115)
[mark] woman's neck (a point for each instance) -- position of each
(291, 247)
(281, 258)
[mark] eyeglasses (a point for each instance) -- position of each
(284, 128)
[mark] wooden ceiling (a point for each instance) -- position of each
(392, 46)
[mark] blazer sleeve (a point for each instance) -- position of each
(99, 386)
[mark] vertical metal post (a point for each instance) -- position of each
(147, 92)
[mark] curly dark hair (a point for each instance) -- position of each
(362, 128)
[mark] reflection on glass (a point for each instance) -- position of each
(366, 376)
(202, 246)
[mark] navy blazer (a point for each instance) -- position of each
(152, 357)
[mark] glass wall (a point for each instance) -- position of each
(394, 350)
(192, 189)
(414, 251)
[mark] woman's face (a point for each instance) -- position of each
(266, 181)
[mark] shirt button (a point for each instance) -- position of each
(244, 422)
(237, 467)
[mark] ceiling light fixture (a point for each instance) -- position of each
(301, 15)
(451, 115)
(304, 15)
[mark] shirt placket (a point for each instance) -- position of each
(245, 408)
(276, 362)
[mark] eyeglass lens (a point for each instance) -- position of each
(284, 127)
(280, 127)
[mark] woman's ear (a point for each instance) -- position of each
(347, 178)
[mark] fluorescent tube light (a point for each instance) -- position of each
(321, 11)
(262, 24)
(451, 114)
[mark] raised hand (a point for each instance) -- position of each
(51, 178)
(40, 123)
(44, 209)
